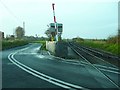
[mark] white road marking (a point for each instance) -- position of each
(24, 49)
(85, 63)
(55, 56)
(106, 67)
(40, 56)
(48, 52)
(96, 68)
(109, 71)
(9, 63)
(36, 74)
(35, 49)
(27, 53)
(50, 78)
(72, 61)
(41, 75)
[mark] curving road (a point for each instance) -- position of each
(24, 67)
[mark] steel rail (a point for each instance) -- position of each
(94, 56)
(73, 48)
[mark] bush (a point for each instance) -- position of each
(6, 44)
(114, 39)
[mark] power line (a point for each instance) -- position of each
(10, 12)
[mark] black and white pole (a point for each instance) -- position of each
(55, 22)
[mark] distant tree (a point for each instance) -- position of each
(78, 39)
(19, 32)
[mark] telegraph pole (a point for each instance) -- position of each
(56, 28)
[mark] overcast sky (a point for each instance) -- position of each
(83, 18)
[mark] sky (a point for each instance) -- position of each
(90, 19)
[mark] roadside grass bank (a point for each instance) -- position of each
(102, 45)
(7, 44)
(43, 47)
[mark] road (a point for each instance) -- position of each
(24, 67)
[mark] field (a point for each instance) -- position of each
(99, 44)
(102, 45)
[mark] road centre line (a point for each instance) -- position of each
(36, 74)
(43, 76)
(19, 62)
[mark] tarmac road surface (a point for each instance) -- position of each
(24, 67)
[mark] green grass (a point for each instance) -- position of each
(7, 44)
(43, 47)
(109, 47)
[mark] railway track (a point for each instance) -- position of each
(106, 58)
(96, 61)
(101, 54)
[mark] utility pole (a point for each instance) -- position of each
(56, 28)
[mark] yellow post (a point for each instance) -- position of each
(52, 38)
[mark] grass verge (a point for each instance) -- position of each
(109, 47)
(43, 47)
